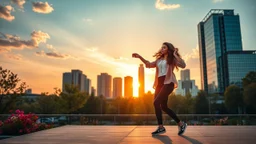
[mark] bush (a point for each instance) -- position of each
(20, 123)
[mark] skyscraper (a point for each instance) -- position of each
(78, 79)
(141, 80)
(117, 87)
(219, 35)
(104, 85)
(128, 87)
(185, 85)
(66, 79)
(185, 74)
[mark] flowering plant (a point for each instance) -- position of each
(19, 123)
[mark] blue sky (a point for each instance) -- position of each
(100, 36)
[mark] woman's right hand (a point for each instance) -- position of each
(135, 55)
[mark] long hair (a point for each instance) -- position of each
(170, 58)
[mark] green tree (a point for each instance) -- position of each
(233, 98)
(73, 98)
(49, 104)
(250, 95)
(249, 78)
(176, 103)
(189, 103)
(201, 103)
(10, 89)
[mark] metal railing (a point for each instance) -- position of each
(143, 119)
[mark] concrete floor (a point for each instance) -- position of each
(77, 134)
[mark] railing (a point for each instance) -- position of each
(143, 119)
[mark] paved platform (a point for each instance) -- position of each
(77, 134)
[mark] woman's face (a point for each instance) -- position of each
(164, 49)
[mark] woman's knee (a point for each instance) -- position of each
(156, 103)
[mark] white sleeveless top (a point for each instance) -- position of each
(162, 67)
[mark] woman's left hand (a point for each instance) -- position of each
(175, 52)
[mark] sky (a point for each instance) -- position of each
(40, 40)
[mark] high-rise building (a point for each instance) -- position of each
(87, 84)
(185, 74)
(66, 79)
(185, 85)
(219, 33)
(78, 79)
(117, 87)
(104, 85)
(239, 63)
(141, 80)
(128, 87)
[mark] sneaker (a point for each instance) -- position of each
(159, 131)
(182, 128)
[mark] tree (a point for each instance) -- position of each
(233, 98)
(188, 103)
(250, 95)
(201, 103)
(249, 78)
(49, 104)
(73, 98)
(10, 89)
(176, 103)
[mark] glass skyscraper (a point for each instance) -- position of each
(219, 34)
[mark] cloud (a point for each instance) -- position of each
(14, 56)
(41, 7)
(161, 6)
(8, 41)
(193, 55)
(50, 47)
(53, 55)
(3, 50)
(5, 12)
(20, 3)
(216, 1)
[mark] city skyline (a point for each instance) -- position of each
(40, 43)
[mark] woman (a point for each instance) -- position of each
(167, 59)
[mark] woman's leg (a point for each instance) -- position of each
(157, 106)
(165, 92)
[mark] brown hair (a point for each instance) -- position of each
(170, 58)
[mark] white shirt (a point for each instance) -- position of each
(162, 67)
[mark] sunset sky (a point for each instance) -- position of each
(39, 40)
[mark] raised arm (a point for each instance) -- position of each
(179, 61)
(146, 62)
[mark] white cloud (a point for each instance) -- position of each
(5, 12)
(41, 7)
(193, 55)
(161, 6)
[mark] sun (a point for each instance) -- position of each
(136, 86)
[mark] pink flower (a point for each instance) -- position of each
(17, 111)
(21, 131)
